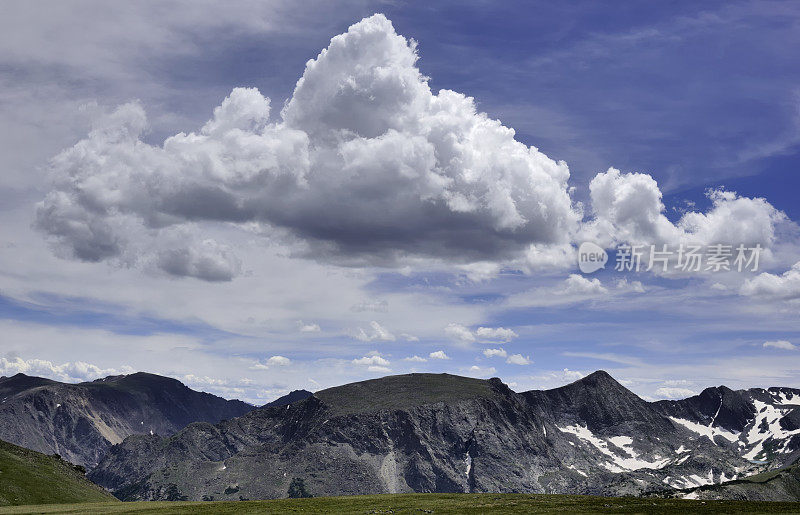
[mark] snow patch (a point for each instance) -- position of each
(766, 426)
(690, 481)
(617, 463)
(708, 431)
(787, 398)
(623, 442)
(573, 467)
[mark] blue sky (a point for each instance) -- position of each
(259, 288)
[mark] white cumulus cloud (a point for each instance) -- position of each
(784, 286)
(377, 333)
(779, 344)
(628, 207)
(579, 285)
(273, 361)
(462, 334)
(519, 359)
(439, 354)
(475, 370)
(364, 164)
(279, 360)
(459, 333)
(496, 334)
(374, 360)
(489, 353)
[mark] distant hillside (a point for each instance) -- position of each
(81, 421)
(29, 477)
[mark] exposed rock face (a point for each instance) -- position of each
(444, 433)
(81, 421)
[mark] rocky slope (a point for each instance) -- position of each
(444, 433)
(763, 426)
(81, 421)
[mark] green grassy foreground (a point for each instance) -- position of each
(29, 477)
(427, 503)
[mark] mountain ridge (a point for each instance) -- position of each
(80, 421)
(447, 433)
(424, 433)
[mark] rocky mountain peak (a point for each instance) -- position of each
(717, 405)
(600, 379)
(598, 384)
(599, 401)
(81, 421)
(290, 398)
(20, 382)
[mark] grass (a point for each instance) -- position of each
(29, 477)
(427, 503)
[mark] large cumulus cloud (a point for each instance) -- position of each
(628, 208)
(364, 164)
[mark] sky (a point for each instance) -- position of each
(261, 196)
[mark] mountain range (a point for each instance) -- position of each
(445, 433)
(82, 421)
(146, 437)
